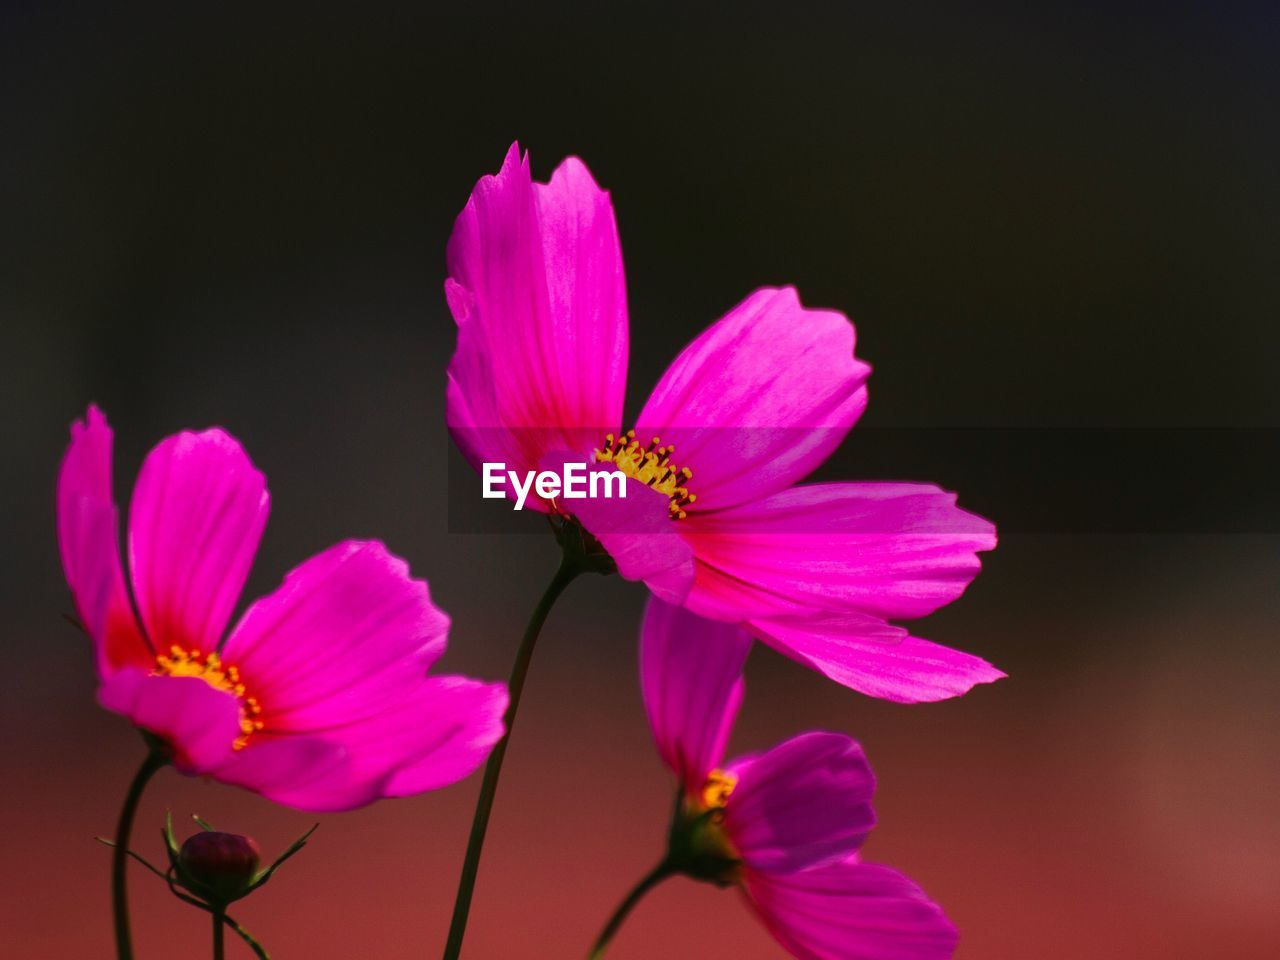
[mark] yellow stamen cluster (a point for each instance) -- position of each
(210, 668)
(715, 792)
(650, 465)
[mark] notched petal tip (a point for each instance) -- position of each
(760, 398)
(93, 419)
(88, 541)
(876, 658)
(515, 163)
(573, 174)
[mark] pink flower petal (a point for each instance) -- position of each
(691, 680)
(285, 769)
(348, 632)
(760, 399)
(89, 539)
(805, 802)
(640, 536)
(851, 911)
(443, 734)
(436, 735)
(536, 287)
(893, 550)
(200, 723)
(197, 515)
(876, 658)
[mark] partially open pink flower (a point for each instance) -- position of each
(784, 825)
(712, 518)
(319, 697)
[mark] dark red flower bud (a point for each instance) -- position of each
(222, 864)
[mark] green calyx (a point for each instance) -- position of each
(581, 550)
(698, 847)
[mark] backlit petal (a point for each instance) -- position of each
(805, 802)
(197, 515)
(760, 399)
(435, 735)
(285, 769)
(89, 539)
(893, 550)
(691, 680)
(200, 723)
(348, 632)
(876, 658)
(851, 911)
(536, 287)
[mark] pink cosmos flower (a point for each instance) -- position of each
(712, 518)
(319, 697)
(784, 825)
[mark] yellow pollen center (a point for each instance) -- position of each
(650, 465)
(210, 668)
(715, 792)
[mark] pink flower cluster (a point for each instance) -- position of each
(320, 697)
(716, 523)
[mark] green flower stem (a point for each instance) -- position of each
(258, 949)
(219, 918)
(570, 567)
(650, 880)
(120, 854)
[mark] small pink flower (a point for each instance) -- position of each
(745, 412)
(784, 825)
(319, 697)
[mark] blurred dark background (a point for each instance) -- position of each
(1047, 223)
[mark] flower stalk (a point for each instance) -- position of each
(155, 760)
(650, 880)
(219, 918)
(581, 554)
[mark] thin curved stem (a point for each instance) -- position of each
(120, 852)
(650, 880)
(569, 569)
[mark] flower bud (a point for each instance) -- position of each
(221, 865)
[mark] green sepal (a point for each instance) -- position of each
(698, 847)
(170, 841)
(580, 548)
(265, 875)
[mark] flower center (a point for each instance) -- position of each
(210, 668)
(650, 465)
(715, 792)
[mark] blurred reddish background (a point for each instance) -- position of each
(1053, 218)
(1120, 804)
